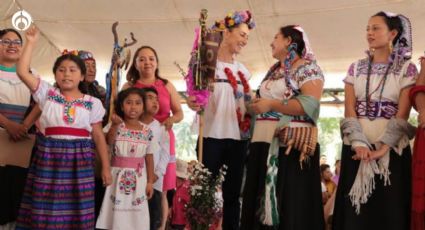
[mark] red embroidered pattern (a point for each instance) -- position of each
(244, 125)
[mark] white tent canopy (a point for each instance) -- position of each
(336, 29)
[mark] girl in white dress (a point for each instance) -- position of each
(125, 203)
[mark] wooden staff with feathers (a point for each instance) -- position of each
(121, 56)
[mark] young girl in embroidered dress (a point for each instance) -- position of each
(144, 73)
(59, 192)
(125, 203)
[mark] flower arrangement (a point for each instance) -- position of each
(204, 208)
(73, 52)
(193, 89)
(234, 19)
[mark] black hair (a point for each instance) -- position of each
(133, 73)
(122, 95)
(296, 37)
(77, 60)
(323, 168)
(393, 23)
(149, 90)
(10, 30)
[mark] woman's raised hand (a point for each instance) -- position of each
(32, 34)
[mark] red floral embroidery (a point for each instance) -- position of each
(244, 125)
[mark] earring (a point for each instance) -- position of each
(390, 46)
(292, 47)
(290, 56)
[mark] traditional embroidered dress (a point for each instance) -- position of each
(376, 194)
(14, 102)
(125, 204)
(298, 190)
(381, 204)
(59, 192)
(164, 113)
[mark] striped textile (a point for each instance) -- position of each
(15, 113)
(59, 192)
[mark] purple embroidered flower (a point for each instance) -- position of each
(412, 71)
(351, 70)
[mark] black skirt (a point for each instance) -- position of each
(298, 190)
(387, 208)
(12, 181)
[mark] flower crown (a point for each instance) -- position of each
(73, 52)
(84, 55)
(234, 19)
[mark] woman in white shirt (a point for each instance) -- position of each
(226, 122)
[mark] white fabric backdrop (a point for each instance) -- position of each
(336, 29)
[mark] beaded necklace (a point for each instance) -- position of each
(244, 125)
(382, 82)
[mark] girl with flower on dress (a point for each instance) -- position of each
(125, 204)
(144, 73)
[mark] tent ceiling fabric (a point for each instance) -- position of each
(336, 28)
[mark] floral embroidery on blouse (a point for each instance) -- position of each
(381, 68)
(351, 70)
(138, 200)
(412, 71)
(114, 200)
(69, 106)
(127, 182)
(308, 71)
(141, 136)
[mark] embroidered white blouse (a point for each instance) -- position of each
(278, 89)
(220, 114)
(380, 110)
(57, 112)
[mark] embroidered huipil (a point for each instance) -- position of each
(76, 116)
(276, 87)
(398, 78)
(125, 203)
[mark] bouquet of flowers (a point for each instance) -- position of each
(205, 207)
